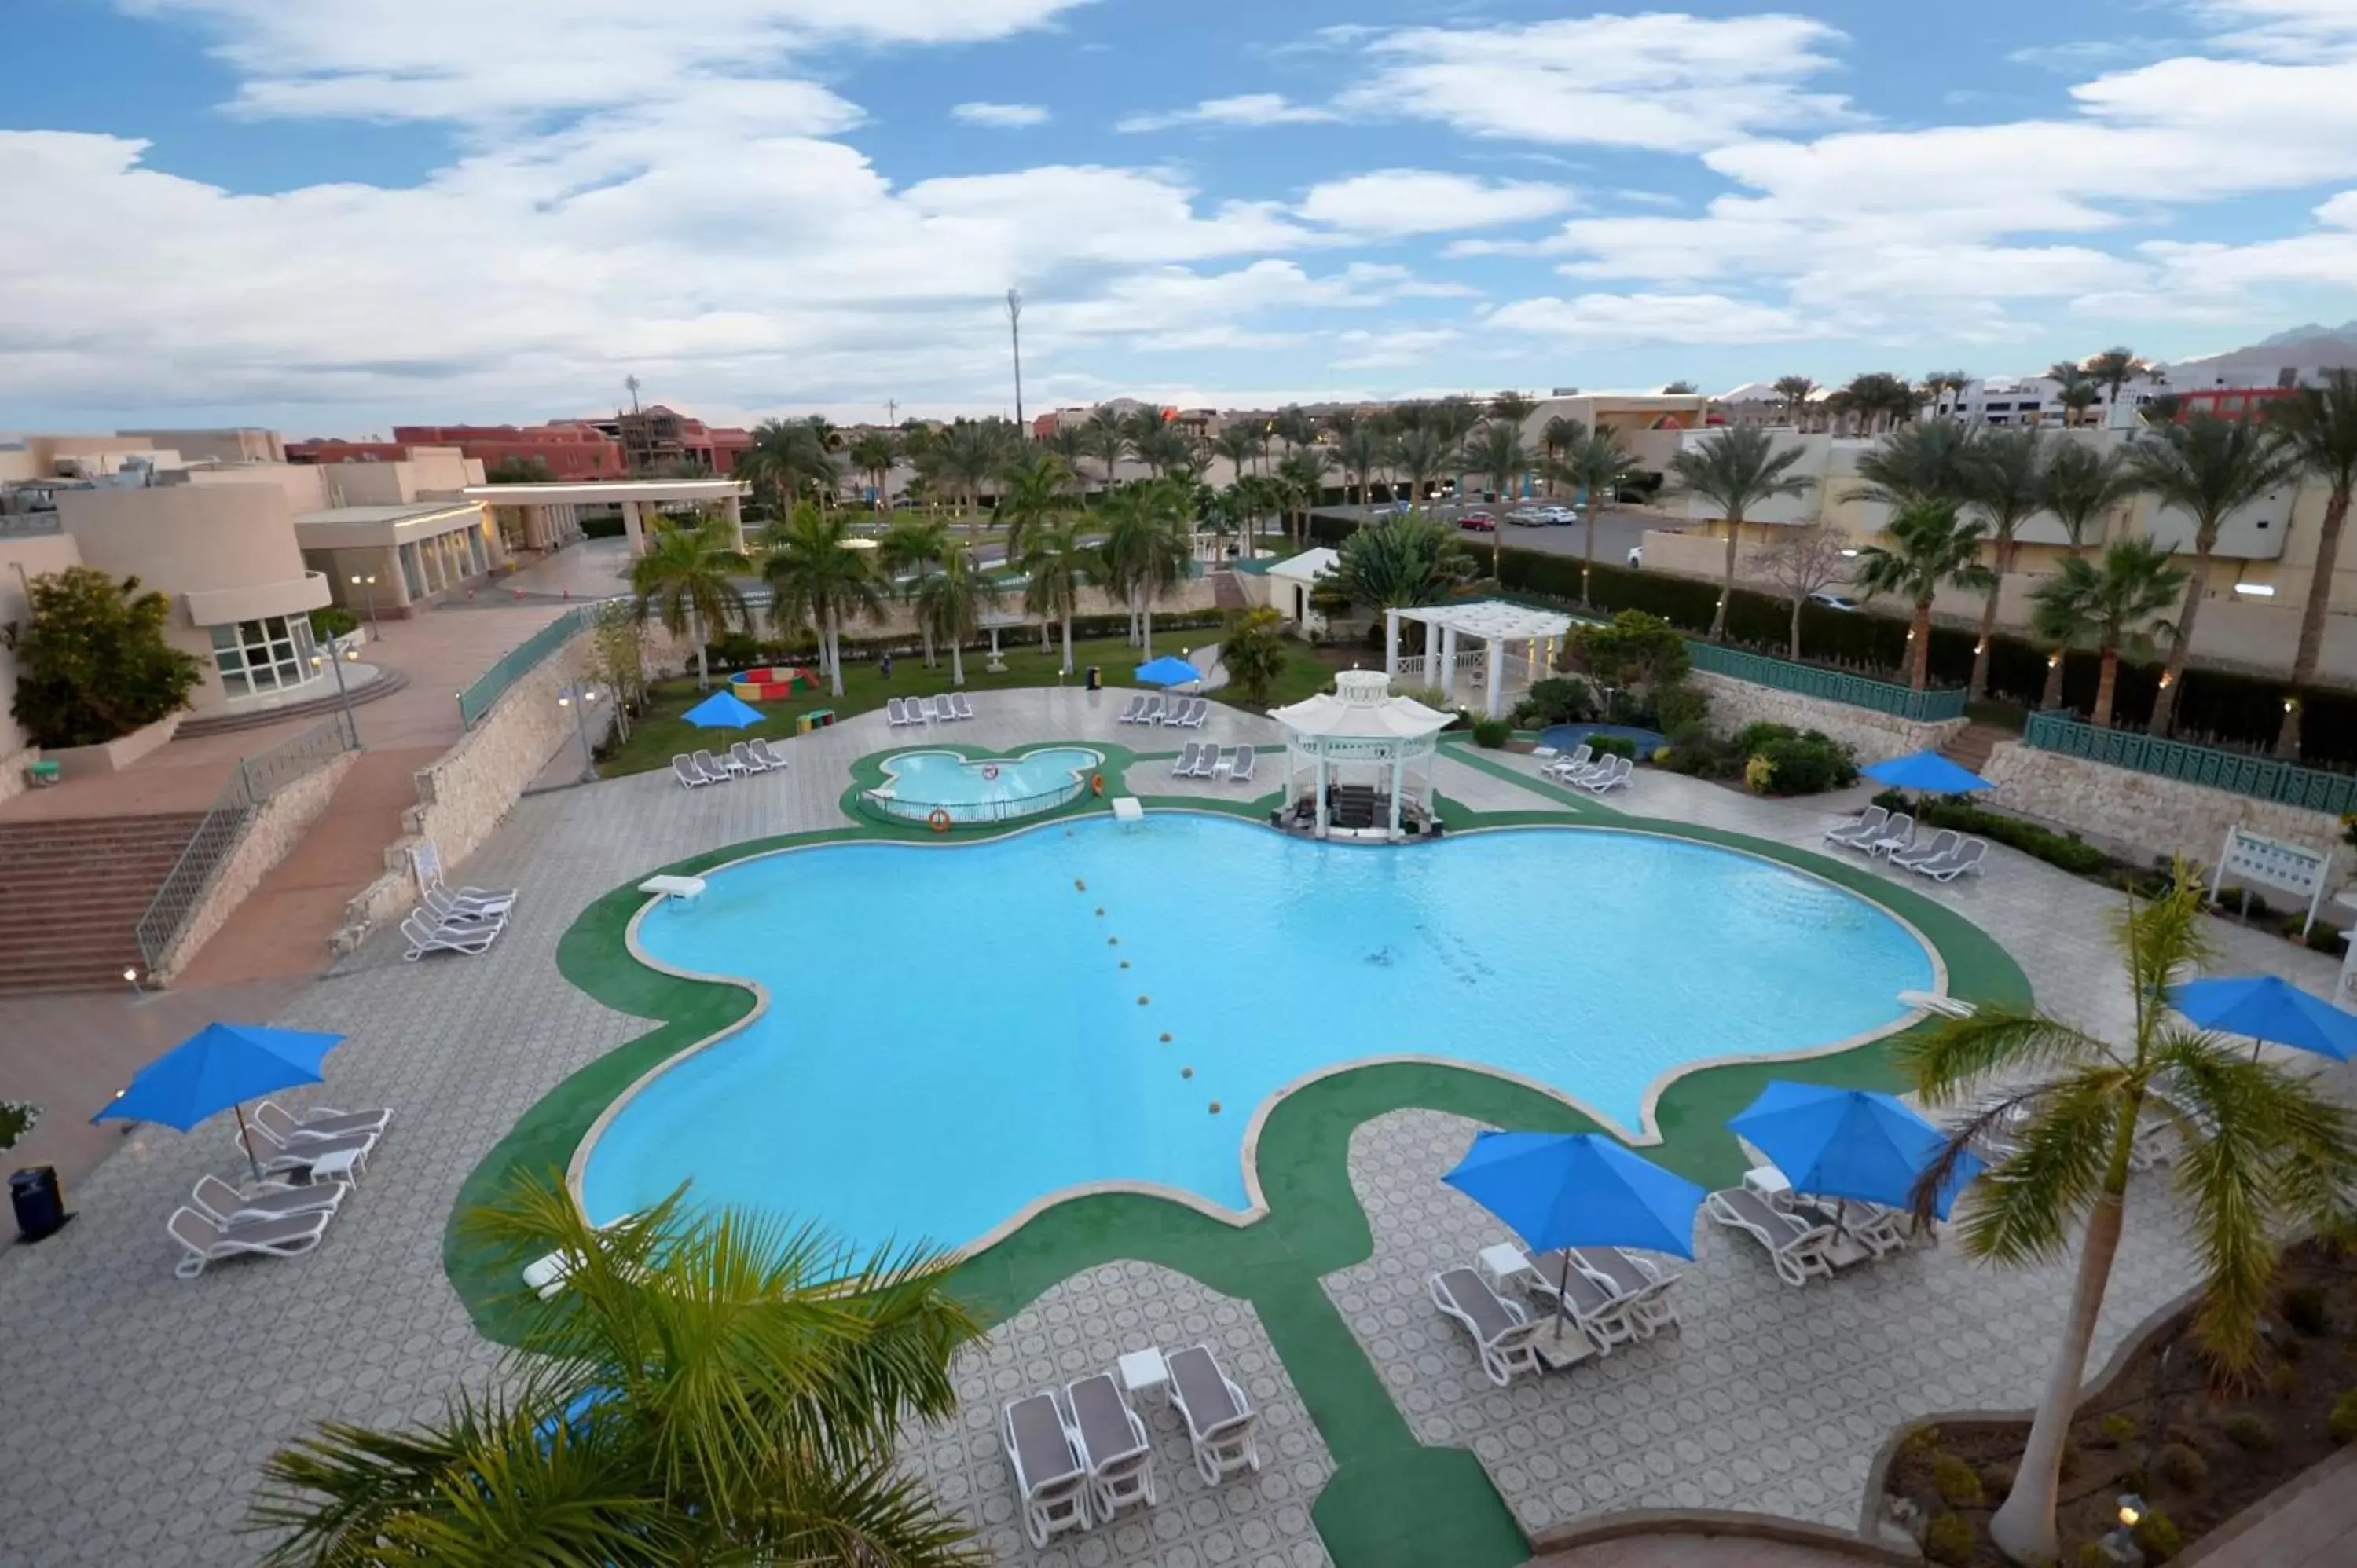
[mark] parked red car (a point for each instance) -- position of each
(1479, 521)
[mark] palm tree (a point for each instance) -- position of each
(1397, 564)
(1881, 400)
(2112, 604)
(2113, 368)
(1252, 651)
(1944, 385)
(1362, 451)
(1678, 389)
(2005, 474)
(1147, 548)
(2079, 486)
(1795, 390)
(2266, 1155)
(1107, 443)
(2207, 467)
(712, 1386)
(873, 453)
(968, 454)
(1931, 544)
(915, 546)
(1164, 450)
(787, 461)
(1035, 483)
(1512, 407)
(1303, 473)
(1600, 466)
(2073, 388)
(1420, 457)
(686, 580)
(1737, 470)
(1057, 562)
(1293, 425)
(1141, 424)
(1239, 442)
(1557, 436)
(816, 578)
(1495, 451)
(2320, 426)
(950, 604)
(1925, 462)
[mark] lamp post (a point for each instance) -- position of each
(366, 583)
(578, 696)
(336, 659)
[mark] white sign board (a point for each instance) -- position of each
(425, 865)
(2251, 860)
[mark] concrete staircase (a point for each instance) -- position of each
(1226, 593)
(1970, 746)
(72, 890)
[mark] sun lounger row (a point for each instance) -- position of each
(1597, 775)
(1081, 1455)
(281, 1143)
(273, 1217)
(745, 758)
(944, 709)
(466, 921)
(1176, 713)
(1202, 759)
(1606, 1298)
(1945, 856)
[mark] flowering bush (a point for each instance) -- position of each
(17, 1117)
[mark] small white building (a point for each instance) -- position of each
(1290, 584)
(1357, 744)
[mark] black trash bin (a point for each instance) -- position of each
(1094, 677)
(40, 1202)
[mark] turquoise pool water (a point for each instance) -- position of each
(951, 1035)
(916, 782)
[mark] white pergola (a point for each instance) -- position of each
(548, 508)
(1360, 725)
(1495, 622)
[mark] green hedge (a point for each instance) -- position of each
(740, 650)
(2238, 712)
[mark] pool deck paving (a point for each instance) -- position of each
(141, 1405)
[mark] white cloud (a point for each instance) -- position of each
(1606, 320)
(2283, 29)
(1666, 82)
(1400, 201)
(1364, 349)
(1000, 116)
(1244, 109)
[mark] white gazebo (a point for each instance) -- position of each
(1496, 623)
(1364, 730)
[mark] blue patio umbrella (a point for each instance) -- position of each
(1927, 772)
(722, 710)
(1849, 1144)
(1168, 670)
(217, 1068)
(2266, 1008)
(1577, 1189)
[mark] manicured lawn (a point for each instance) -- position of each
(662, 734)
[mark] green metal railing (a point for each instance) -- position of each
(1831, 685)
(519, 661)
(257, 778)
(2260, 778)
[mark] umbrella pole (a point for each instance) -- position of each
(1563, 1294)
(246, 1137)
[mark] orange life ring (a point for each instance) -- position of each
(1096, 784)
(938, 819)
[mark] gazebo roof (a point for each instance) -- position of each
(1308, 566)
(1362, 708)
(1493, 620)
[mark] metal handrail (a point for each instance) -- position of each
(257, 778)
(483, 692)
(2260, 778)
(887, 806)
(1832, 685)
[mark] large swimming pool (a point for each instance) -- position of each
(951, 1033)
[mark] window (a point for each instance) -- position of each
(266, 655)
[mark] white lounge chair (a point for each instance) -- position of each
(1152, 713)
(1502, 1330)
(1206, 760)
(1859, 832)
(289, 1128)
(1643, 1284)
(1613, 775)
(958, 704)
(1936, 848)
(1219, 1419)
(1128, 715)
(1567, 766)
(1597, 1308)
(1796, 1248)
(712, 767)
(300, 1161)
(768, 753)
(453, 908)
(1197, 712)
(205, 1243)
(741, 755)
(1242, 771)
(1965, 859)
(225, 1206)
(1940, 1003)
(1878, 1229)
(1897, 834)
(1183, 765)
(1114, 1446)
(895, 713)
(425, 936)
(1049, 1478)
(684, 768)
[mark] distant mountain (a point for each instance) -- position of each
(2306, 347)
(2301, 333)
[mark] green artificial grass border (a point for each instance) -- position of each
(1391, 1502)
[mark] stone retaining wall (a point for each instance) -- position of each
(469, 790)
(1873, 737)
(277, 826)
(2144, 815)
(113, 756)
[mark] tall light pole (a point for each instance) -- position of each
(578, 696)
(366, 583)
(337, 657)
(1015, 338)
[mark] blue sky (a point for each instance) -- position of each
(340, 215)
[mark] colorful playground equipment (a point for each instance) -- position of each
(771, 682)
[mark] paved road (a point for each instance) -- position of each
(1617, 532)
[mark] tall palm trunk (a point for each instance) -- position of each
(833, 654)
(1068, 639)
(1588, 562)
(1794, 652)
(2023, 1527)
(1727, 586)
(1146, 626)
(2164, 705)
(1919, 660)
(1988, 622)
(703, 661)
(2051, 697)
(2311, 619)
(957, 662)
(2106, 683)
